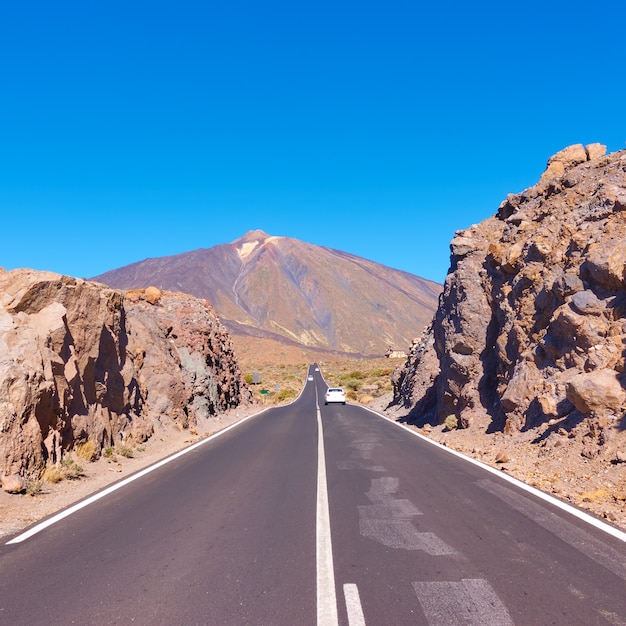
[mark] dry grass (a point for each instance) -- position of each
(87, 451)
(52, 475)
(125, 451)
(597, 495)
(68, 469)
(71, 470)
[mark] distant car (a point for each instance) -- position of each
(310, 377)
(335, 394)
(317, 369)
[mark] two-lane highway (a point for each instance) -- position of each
(250, 528)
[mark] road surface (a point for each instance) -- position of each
(268, 524)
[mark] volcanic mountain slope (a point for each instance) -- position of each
(296, 292)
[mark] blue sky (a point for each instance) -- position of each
(138, 129)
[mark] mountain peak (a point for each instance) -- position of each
(256, 236)
(274, 286)
(249, 242)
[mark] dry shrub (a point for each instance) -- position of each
(71, 470)
(87, 451)
(52, 474)
(285, 394)
(597, 495)
(451, 422)
(125, 451)
(34, 486)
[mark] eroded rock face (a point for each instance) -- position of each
(79, 362)
(531, 325)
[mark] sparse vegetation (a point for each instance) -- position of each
(357, 374)
(34, 486)
(125, 451)
(87, 451)
(285, 394)
(52, 474)
(451, 422)
(364, 380)
(362, 384)
(70, 469)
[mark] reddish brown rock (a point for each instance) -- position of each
(13, 484)
(571, 156)
(153, 295)
(596, 392)
(531, 325)
(80, 362)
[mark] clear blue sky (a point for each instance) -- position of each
(143, 129)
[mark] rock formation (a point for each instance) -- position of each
(81, 362)
(531, 325)
(524, 364)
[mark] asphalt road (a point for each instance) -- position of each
(234, 533)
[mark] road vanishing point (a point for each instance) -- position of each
(316, 515)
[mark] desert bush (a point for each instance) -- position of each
(125, 451)
(381, 372)
(351, 395)
(34, 486)
(285, 394)
(451, 422)
(108, 451)
(248, 378)
(52, 474)
(358, 374)
(87, 450)
(71, 470)
(353, 384)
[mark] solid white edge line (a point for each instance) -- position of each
(353, 605)
(326, 594)
(572, 510)
(101, 494)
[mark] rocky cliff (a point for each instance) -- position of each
(80, 362)
(529, 335)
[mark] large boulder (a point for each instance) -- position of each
(571, 156)
(596, 392)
